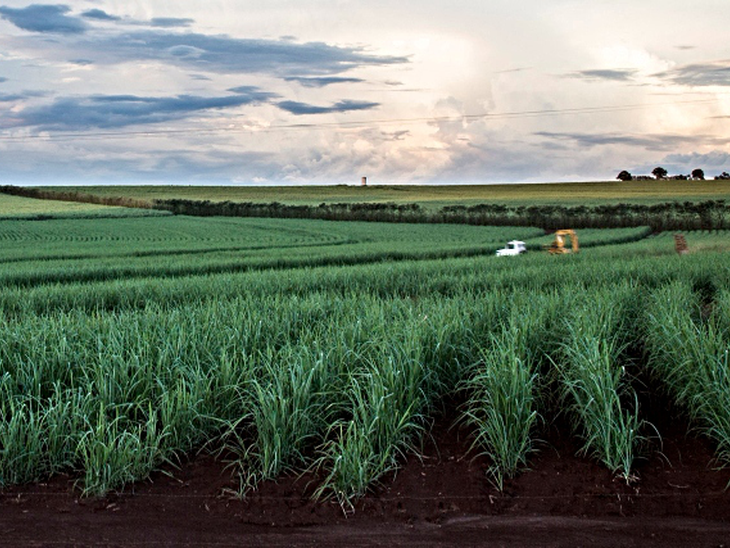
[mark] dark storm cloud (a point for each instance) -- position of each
(699, 74)
(650, 142)
(253, 90)
(162, 22)
(99, 15)
(298, 108)
(170, 22)
(320, 82)
(224, 54)
(113, 111)
(589, 140)
(616, 75)
(313, 64)
(10, 97)
(44, 18)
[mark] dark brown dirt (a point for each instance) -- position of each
(443, 499)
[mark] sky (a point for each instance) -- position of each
(327, 91)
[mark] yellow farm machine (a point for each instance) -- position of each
(558, 246)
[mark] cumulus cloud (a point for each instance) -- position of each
(699, 74)
(298, 108)
(320, 82)
(113, 111)
(44, 18)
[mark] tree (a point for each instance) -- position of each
(624, 176)
(723, 176)
(659, 172)
(698, 174)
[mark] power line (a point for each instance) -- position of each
(355, 124)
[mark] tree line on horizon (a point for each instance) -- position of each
(704, 215)
(660, 173)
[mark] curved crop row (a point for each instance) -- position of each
(341, 371)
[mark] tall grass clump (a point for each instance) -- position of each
(502, 406)
(22, 442)
(114, 454)
(688, 353)
(284, 410)
(384, 415)
(503, 386)
(603, 405)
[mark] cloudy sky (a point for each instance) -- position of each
(326, 91)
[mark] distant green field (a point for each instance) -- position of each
(16, 207)
(434, 196)
(698, 242)
(67, 250)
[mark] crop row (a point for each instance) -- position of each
(336, 369)
(345, 382)
(18, 208)
(650, 263)
(68, 251)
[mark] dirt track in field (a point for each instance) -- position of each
(443, 499)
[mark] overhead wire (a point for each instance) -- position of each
(342, 124)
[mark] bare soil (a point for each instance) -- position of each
(443, 498)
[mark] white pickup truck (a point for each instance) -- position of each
(515, 247)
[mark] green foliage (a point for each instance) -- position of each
(83, 250)
(429, 197)
(595, 379)
(710, 214)
(110, 368)
(503, 387)
(18, 207)
(661, 204)
(689, 355)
